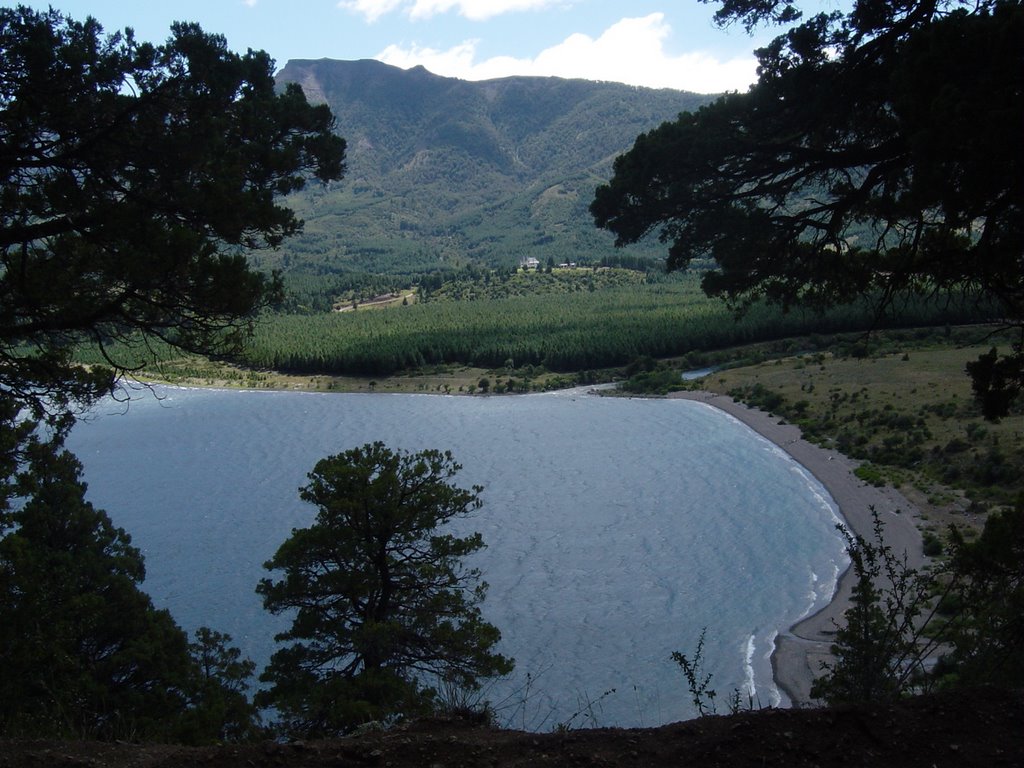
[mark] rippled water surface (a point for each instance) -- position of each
(616, 528)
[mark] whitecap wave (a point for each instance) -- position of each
(774, 695)
(813, 596)
(748, 667)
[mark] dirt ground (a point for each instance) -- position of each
(975, 728)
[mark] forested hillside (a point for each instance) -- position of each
(445, 172)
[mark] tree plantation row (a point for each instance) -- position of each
(562, 332)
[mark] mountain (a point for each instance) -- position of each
(445, 172)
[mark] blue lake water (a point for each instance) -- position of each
(616, 529)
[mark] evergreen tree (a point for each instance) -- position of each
(863, 667)
(84, 652)
(221, 709)
(963, 614)
(881, 648)
(134, 178)
(984, 610)
(878, 154)
(384, 607)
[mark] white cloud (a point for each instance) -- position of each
(371, 9)
(475, 10)
(631, 51)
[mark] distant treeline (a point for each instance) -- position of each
(560, 331)
(313, 288)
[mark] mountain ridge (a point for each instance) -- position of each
(444, 172)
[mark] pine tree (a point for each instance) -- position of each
(384, 608)
(84, 652)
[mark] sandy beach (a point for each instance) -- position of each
(800, 651)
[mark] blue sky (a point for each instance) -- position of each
(661, 43)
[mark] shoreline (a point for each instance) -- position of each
(800, 649)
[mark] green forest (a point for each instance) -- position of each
(562, 332)
(578, 320)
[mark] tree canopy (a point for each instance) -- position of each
(985, 615)
(84, 652)
(133, 179)
(878, 653)
(879, 152)
(956, 623)
(385, 610)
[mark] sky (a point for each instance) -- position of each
(654, 43)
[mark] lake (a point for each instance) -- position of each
(616, 529)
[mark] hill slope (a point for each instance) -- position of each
(445, 172)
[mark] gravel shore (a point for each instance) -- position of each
(800, 651)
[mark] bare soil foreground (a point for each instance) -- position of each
(973, 728)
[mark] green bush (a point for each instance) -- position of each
(870, 474)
